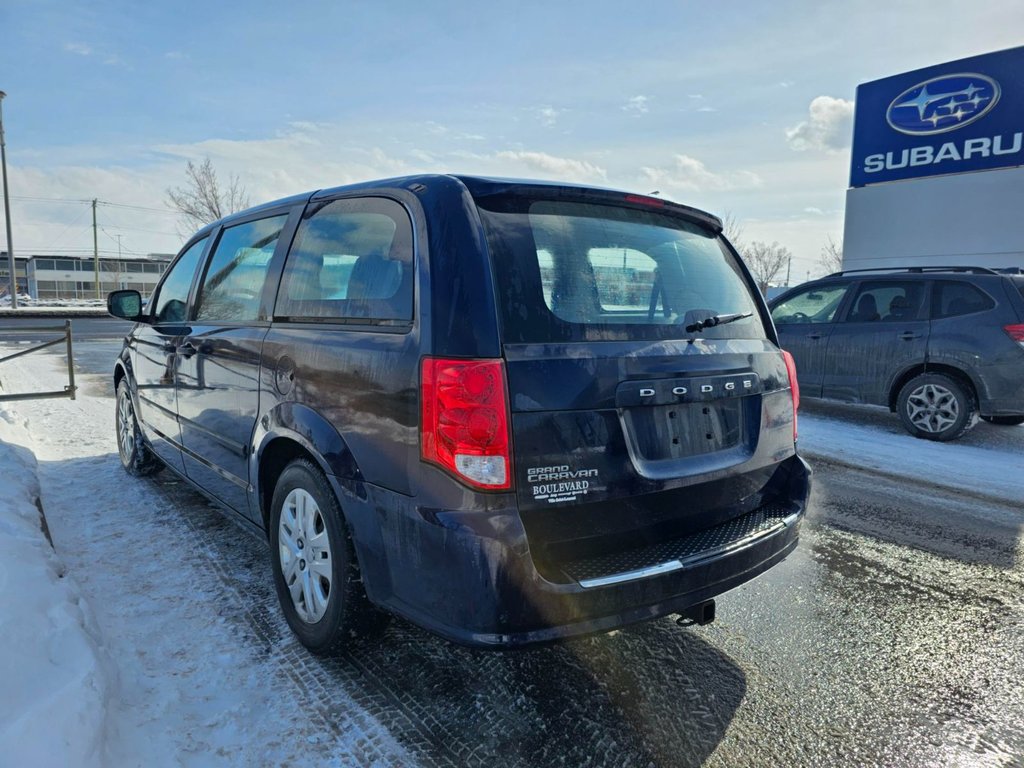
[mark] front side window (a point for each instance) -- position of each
(352, 259)
(568, 270)
(814, 305)
(887, 301)
(233, 284)
(171, 305)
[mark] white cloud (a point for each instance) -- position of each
(707, 109)
(637, 105)
(80, 48)
(563, 168)
(690, 174)
(548, 115)
(828, 128)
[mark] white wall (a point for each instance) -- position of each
(970, 219)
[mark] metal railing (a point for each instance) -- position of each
(65, 331)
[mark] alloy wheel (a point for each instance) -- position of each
(933, 408)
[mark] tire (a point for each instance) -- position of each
(934, 406)
(1004, 421)
(136, 457)
(315, 568)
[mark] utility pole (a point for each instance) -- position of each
(789, 266)
(95, 250)
(7, 209)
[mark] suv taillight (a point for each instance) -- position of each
(794, 387)
(1015, 332)
(464, 422)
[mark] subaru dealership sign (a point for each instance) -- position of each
(966, 115)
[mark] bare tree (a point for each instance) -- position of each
(202, 200)
(733, 231)
(831, 256)
(766, 262)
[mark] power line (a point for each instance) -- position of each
(71, 200)
(140, 208)
(25, 199)
(69, 226)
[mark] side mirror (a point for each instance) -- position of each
(125, 304)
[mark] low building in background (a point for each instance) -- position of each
(74, 277)
(20, 266)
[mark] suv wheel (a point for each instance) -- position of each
(315, 569)
(136, 457)
(1005, 421)
(934, 406)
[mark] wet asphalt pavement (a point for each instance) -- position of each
(894, 636)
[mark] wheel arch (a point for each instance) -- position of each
(292, 431)
(957, 374)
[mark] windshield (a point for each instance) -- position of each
(570, 270)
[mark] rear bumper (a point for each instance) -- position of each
(469, 576)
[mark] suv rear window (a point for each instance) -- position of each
(572, 271)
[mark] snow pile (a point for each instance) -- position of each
(991, 469)
(54, 684)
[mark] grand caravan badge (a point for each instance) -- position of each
(943, 104)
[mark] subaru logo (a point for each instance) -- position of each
(943, 104)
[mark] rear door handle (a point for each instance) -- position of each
(908, 335)
(814, 335)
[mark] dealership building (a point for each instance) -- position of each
(937, 168)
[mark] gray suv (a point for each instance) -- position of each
(940, 346)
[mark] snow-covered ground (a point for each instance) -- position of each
(94, 670)
(987, 461)
(56, 677)
(143, 692)
(63, 307)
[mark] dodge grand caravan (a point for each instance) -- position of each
(510, 412)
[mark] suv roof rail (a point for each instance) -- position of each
(917, 270)
(1010, 270)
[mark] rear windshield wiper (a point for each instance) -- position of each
(714, 320)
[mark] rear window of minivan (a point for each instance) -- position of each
(578, 270)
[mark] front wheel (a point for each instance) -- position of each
(1004, 421)
(315, 569)
(934, 406)
(136, 457)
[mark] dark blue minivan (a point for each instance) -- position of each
(508, 411)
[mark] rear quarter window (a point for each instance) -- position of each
(954, 297)
(351, 260)
(568, 270)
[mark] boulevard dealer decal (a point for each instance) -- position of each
(559, 483)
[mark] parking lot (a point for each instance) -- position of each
(893, 635)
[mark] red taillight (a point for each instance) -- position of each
(794, 387)
(1015, 332)
(464, 420)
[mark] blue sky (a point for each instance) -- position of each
(732, 107)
